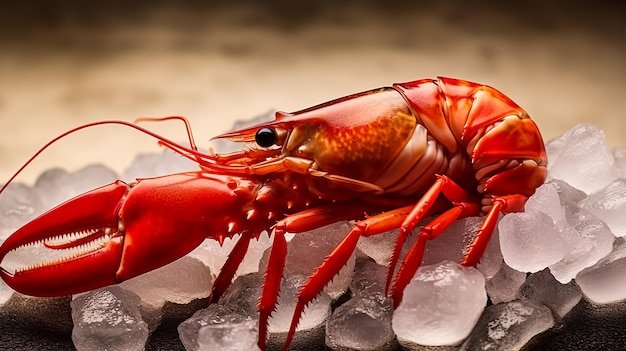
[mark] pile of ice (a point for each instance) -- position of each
(571, 238)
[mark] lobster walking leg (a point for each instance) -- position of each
(271, 286)
(413, 258)
(225, 277)
(451, 191)
(406, 218)
(340, 255)
(501, 204)
(297, 223)
(430, 231)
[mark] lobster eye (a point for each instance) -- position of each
(265, 137)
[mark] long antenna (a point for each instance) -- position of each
(191, 152)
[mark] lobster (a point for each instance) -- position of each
(385, 158)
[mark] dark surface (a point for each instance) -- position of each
(586, 327)
(45, 324)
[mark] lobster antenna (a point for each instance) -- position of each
(192, 142)
(176, 147)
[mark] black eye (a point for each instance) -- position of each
(265, 137)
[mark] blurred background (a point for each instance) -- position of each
(71, 62)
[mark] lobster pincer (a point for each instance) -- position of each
(90, 218)
(120, 231)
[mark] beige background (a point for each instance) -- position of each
(68, 63)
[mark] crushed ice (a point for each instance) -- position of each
(108, 319)
(440, 306)
(573, 230)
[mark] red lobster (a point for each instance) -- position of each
(386, 158)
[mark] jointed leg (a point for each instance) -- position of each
(406, 218)
(339, 257)
(295, 223)
(453, 192)
(271, 285)
(504, 204)
(430, 231)
(225, 277)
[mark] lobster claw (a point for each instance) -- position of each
(117, 232)
(92, 215)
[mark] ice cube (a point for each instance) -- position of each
(546, 199)
(369, 278)
(609, 205)
(315, 314)
(509, 326)
(18, 205)
(364, 321)
(317, 244)
(440, 306)
(243, 295)
(180, 282)
(491, 261)
(530, 241)
(604, 282)
(108, 319)
(554, 148)
(91, 177)
(56, 186)
(582, 240)
(570, 197)
(213, 255)
(505, 284)
(157, 164)
(379, 247)
(587, 240)
(218, 328)
(586, 162)
(361, 324)
(233, 336)
(620, 160)
(452, 243)
(449, 245)
(542, 287)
